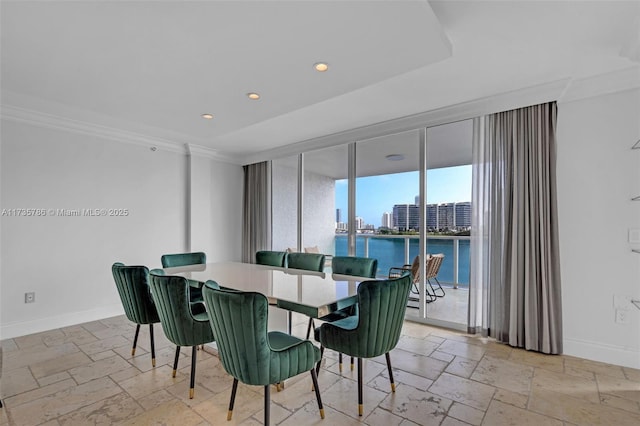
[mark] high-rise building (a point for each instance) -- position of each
(338, 215)
(432, 217)
(387, 220)
(462, 218)
(446, 212)
(359, 222)
(406, 217)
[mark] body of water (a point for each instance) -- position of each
(390, 253)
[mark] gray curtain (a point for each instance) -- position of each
(256, 210)
(515, 268)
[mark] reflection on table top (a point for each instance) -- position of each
(313, 293)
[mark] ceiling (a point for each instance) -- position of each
(152, 68)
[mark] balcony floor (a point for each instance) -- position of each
(450, 308)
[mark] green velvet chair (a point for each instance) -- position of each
(306, 261)
(375, 330)
(249, 352)
(185, 259)
(271, 258)
(184, 323)
(348, 265)
(132, 283)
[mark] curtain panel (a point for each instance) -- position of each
(515, 268)
(256, 210)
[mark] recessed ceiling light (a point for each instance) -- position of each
(207, 116)
(321, 66)
(253, 96)
(395, 157)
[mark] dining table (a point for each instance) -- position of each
(314, 294)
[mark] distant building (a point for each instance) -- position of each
(462, 217)
(406, 217)
(440, 217)
(338, 215)
(359, 222)
(446, 213)
(387, 220)
(432, 217)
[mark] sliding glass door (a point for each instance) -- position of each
(391, 198)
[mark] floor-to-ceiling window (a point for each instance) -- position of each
(389, 206)
(387, 193)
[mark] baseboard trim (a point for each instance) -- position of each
(21, 328)
(611, 354)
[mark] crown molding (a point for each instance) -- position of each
(533, 95)
(602, 84)
(56, 122)
(206, 152)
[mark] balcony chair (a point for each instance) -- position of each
(434, 262)
(184, 323)
(272, 258)
(249, 352)
(133, 287)
(185, 259)
(374, 331)
(433, 267)
(306, 261)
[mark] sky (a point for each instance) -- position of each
(377, 194)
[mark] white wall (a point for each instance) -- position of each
(67, 260)
(598, 174)
(319, 212)
(216, 209)
(318, 209)
(284, 206)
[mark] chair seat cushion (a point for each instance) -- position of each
(337, 315)
(291, 356)
(201, 317)
(348, 323)
(280, 341)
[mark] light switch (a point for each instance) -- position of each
(621, 302)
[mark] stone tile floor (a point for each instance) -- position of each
(85, 375)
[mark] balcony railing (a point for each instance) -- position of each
(398, 250)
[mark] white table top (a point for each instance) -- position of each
(313, 293)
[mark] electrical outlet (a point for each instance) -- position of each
(30, 297)
(622, 316)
